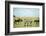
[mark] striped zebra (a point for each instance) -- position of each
(26, 22)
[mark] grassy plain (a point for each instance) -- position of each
(25, 24)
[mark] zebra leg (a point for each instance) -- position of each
(30, 24)
(37, 23)
(27, 24)
(24, 24)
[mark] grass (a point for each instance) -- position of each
(25, 24)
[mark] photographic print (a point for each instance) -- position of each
(24, 17)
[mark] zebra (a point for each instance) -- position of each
(26, 22)
(19, 20)
(36, 21)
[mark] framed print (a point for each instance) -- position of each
(24, 17)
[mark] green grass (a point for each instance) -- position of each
(27, 24)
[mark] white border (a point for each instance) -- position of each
(24, 29)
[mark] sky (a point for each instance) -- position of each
(26, 11)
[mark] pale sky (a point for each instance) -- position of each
(26, 11)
